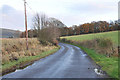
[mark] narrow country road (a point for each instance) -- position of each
(68, 62)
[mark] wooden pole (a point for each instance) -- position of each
(26, 25)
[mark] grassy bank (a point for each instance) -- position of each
(25, 60)
(15, 55)
(101, 47)
(110, 65)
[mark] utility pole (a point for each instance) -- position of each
(26, 25)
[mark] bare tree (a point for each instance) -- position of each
(46, 30)
(54, 31)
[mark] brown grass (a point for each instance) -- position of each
(13, 49)
(102, 46)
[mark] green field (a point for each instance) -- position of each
(113, 35)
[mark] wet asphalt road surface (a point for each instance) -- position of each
(68, 62)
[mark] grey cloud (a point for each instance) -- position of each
(12, 18)
(92, 8)
(7, 9)
(69, 11)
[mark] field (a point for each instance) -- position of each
(105, 56)
(14, 51)
(113, 35)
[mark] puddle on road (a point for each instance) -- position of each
(83, 54)
(23, 68)
(98, 71)
(18, 70)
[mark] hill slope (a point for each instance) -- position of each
(6, 33)
(113, 35)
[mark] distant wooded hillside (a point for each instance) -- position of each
(8, 33)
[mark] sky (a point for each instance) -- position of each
(70, 12)
(119, 10)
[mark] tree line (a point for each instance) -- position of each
(87, 28)
(46, 29)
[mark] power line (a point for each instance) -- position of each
(30, 7)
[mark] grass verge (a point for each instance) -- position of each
(110, 65)
(22, 61)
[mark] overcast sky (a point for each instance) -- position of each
(70, 12)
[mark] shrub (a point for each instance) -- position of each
(55, 42)
(58, 39)
(63, 39)
(104, 42)
(33, 54)
(68, 41)
(43, 42)
(5, 58)
(88, 43)
(21, 53)
(28, 53)
(14, 56)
